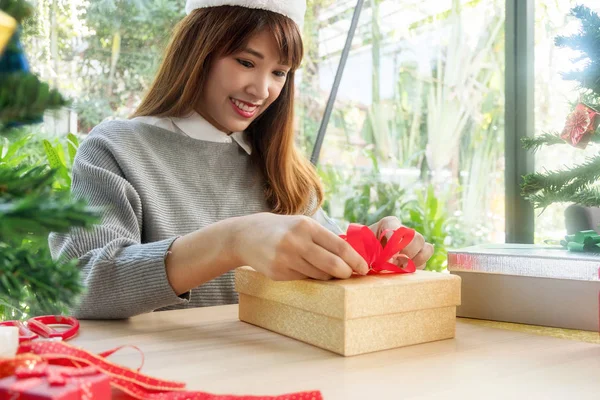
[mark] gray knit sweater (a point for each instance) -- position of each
(153, 185)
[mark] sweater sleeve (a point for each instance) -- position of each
(122, 276)
(322, 218)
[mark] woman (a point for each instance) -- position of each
(205, 178)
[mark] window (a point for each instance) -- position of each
(421, 102)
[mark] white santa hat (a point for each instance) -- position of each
(293, 9)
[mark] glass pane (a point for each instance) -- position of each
(420, 104)
(555, 98)
(103, 54)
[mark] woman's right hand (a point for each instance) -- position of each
(293, 247)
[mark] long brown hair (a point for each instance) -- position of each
(208, 33)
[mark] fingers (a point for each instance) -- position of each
(328, 262)
(307, 269)
(420, 259)
(415, 246)
(340, 255)
(391, 223)
(422, 256)
(400, 260)
(285, 275)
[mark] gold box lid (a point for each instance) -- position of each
(357, 297)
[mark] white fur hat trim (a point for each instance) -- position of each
(293, 9)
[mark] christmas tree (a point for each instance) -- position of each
(578, 183)
(31, 283)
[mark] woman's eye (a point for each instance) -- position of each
(245, 63)
(280, 74)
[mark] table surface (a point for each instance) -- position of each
(211, 350)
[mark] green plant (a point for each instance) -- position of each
(332, 180)
(55, 155)
(420, 210)
(9, 151)
(373, 199)
(426, 215)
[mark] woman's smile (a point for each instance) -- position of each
(243, 108)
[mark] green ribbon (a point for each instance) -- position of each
(582, 241)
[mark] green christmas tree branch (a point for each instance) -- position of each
(18, 9)
(587, 197)
(26, 196)
(23, 98)
(572, 179)
(546, 139)
(39, 214)
(31, 282)
(591, 99)
(549, 139)
(588, 42)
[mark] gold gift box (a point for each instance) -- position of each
(353, 316)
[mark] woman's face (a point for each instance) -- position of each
(243, 85)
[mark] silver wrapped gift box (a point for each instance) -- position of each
(529, 284)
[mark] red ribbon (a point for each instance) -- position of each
(134, 383)
(364, 241)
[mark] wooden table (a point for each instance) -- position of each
(211, 350)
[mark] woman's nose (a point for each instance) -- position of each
(259, 88)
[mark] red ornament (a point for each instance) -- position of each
(580, 126)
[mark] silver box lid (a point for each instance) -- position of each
(526, 260)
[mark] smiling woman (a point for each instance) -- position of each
(205, 176)
(246, 82)
(220, 55)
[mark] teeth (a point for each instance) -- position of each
(243, 106)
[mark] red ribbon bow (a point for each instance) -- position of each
(364, 241)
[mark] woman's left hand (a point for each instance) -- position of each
(418, 250)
